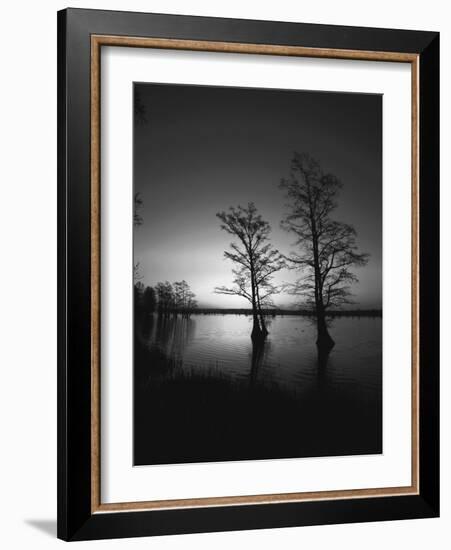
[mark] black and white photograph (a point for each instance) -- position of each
(257, 273)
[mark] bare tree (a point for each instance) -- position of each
(137, 205)
(180, 290)
(255, 258)
(184, 298)
(137, 221)
(326, 249)
(136, 275)
(149, 300)
(191, 302)
(165, 297)
(139, 109)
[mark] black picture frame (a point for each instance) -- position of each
(76, 520)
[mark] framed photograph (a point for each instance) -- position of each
(248, 274)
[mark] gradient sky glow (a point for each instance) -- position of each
(202, 149)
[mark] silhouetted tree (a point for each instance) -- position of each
(184, 298)
(149, 300)
(137, 221)
(138, 290)
(139, 109)
(137, 205)
(265, 290)
(191, 302)
(181, 291)
(255, 258)
(165, 296)
(136, 275)
(170, 298)
(327, 248)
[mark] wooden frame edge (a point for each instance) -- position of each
(249, 48)
(415, 271)
(264, 49)
(95, 276)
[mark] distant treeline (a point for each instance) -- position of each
(276, 311)
(165, 298)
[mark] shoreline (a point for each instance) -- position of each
(278, 312)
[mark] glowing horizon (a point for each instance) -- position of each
(201, 150)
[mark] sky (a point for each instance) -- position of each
(200, 149)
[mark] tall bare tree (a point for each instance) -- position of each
(326, 249)
(137, 205)
(137, 221)
(255, 259)
(181, 289)
(139, 109)
(165, 297)
(184, 298)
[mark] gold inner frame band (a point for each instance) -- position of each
(97, 41)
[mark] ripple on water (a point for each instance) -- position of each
(288, 357)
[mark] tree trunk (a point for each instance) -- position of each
(256, 330)
(262, 317)
(256, 333)
(324, 340)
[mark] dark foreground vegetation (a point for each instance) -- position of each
(183, 415)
